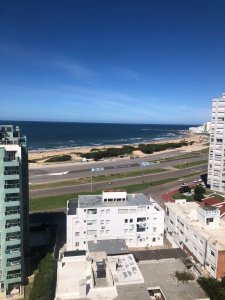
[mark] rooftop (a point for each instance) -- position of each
(111, 247)
(10, 135)
(85, 201)
(188, 212)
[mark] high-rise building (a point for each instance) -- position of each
(216, 166)
(14, 209)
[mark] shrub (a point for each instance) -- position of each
(110, 152)
(185, 189)
(59, 158)
(198, 197)
(199, 190)
(184, 276)
(214, 288)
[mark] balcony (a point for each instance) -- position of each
(11, 187)
(14, 275)
(12, 214)
(13, 265)
(13, 252)
(8, 162)
(12, 228)
(13, 241)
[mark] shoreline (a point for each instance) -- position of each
(41, 155)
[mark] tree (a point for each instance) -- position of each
(213, 287)
(198, 197)
(43, 280)
(185, 189)
(199, 190)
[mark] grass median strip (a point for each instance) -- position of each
(98, 178)
(59, 201)
(190, 164)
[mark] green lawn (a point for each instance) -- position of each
(182, 196)
(191, 164)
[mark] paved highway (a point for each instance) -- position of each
(66, 171)
(119, 182)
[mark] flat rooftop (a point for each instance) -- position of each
(86, 201)
(125, 270)
(111, 247)
(162, 274)
(188, 212)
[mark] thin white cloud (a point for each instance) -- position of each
(76, 69)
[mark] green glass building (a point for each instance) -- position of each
(14, 210)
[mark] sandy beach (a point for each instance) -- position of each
(200, 142)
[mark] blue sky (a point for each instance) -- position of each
(154, 61)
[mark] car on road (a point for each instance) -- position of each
(181, 180)
(183, 184)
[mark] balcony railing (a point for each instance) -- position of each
(15, 275)
(12, 186)
(9, 225)
(13, 263)
(12, 212)
(11, 251)
(13, 238)
(15, 198)
(11, 172)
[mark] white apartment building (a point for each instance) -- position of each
(199, 231)
(114, 215)
(216, 166)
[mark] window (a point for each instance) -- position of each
(141, 208)
(92, 211)
(108, 211)
(107, 221)
(102, 211)
(77, 233)
(91, 222)
(212, 267)
(77, 244)
(108, 232)
(154, 229)
(130, 230)
(125, 230)
(141, 219)
(131, 220)
(122, 211)
(209, 220)
(91, 232)
(153, 239)
(84, 242)
(212, 253)
(126, 221)
(102, 222)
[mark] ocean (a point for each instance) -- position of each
(58, 135)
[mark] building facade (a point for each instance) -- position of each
(14, 208)
(216, 165)
(114, 215)
(199, 231)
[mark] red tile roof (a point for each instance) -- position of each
(212, 201)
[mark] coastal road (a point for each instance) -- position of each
(67, 171)
(119, 182)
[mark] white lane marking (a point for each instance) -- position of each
(56, 174)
